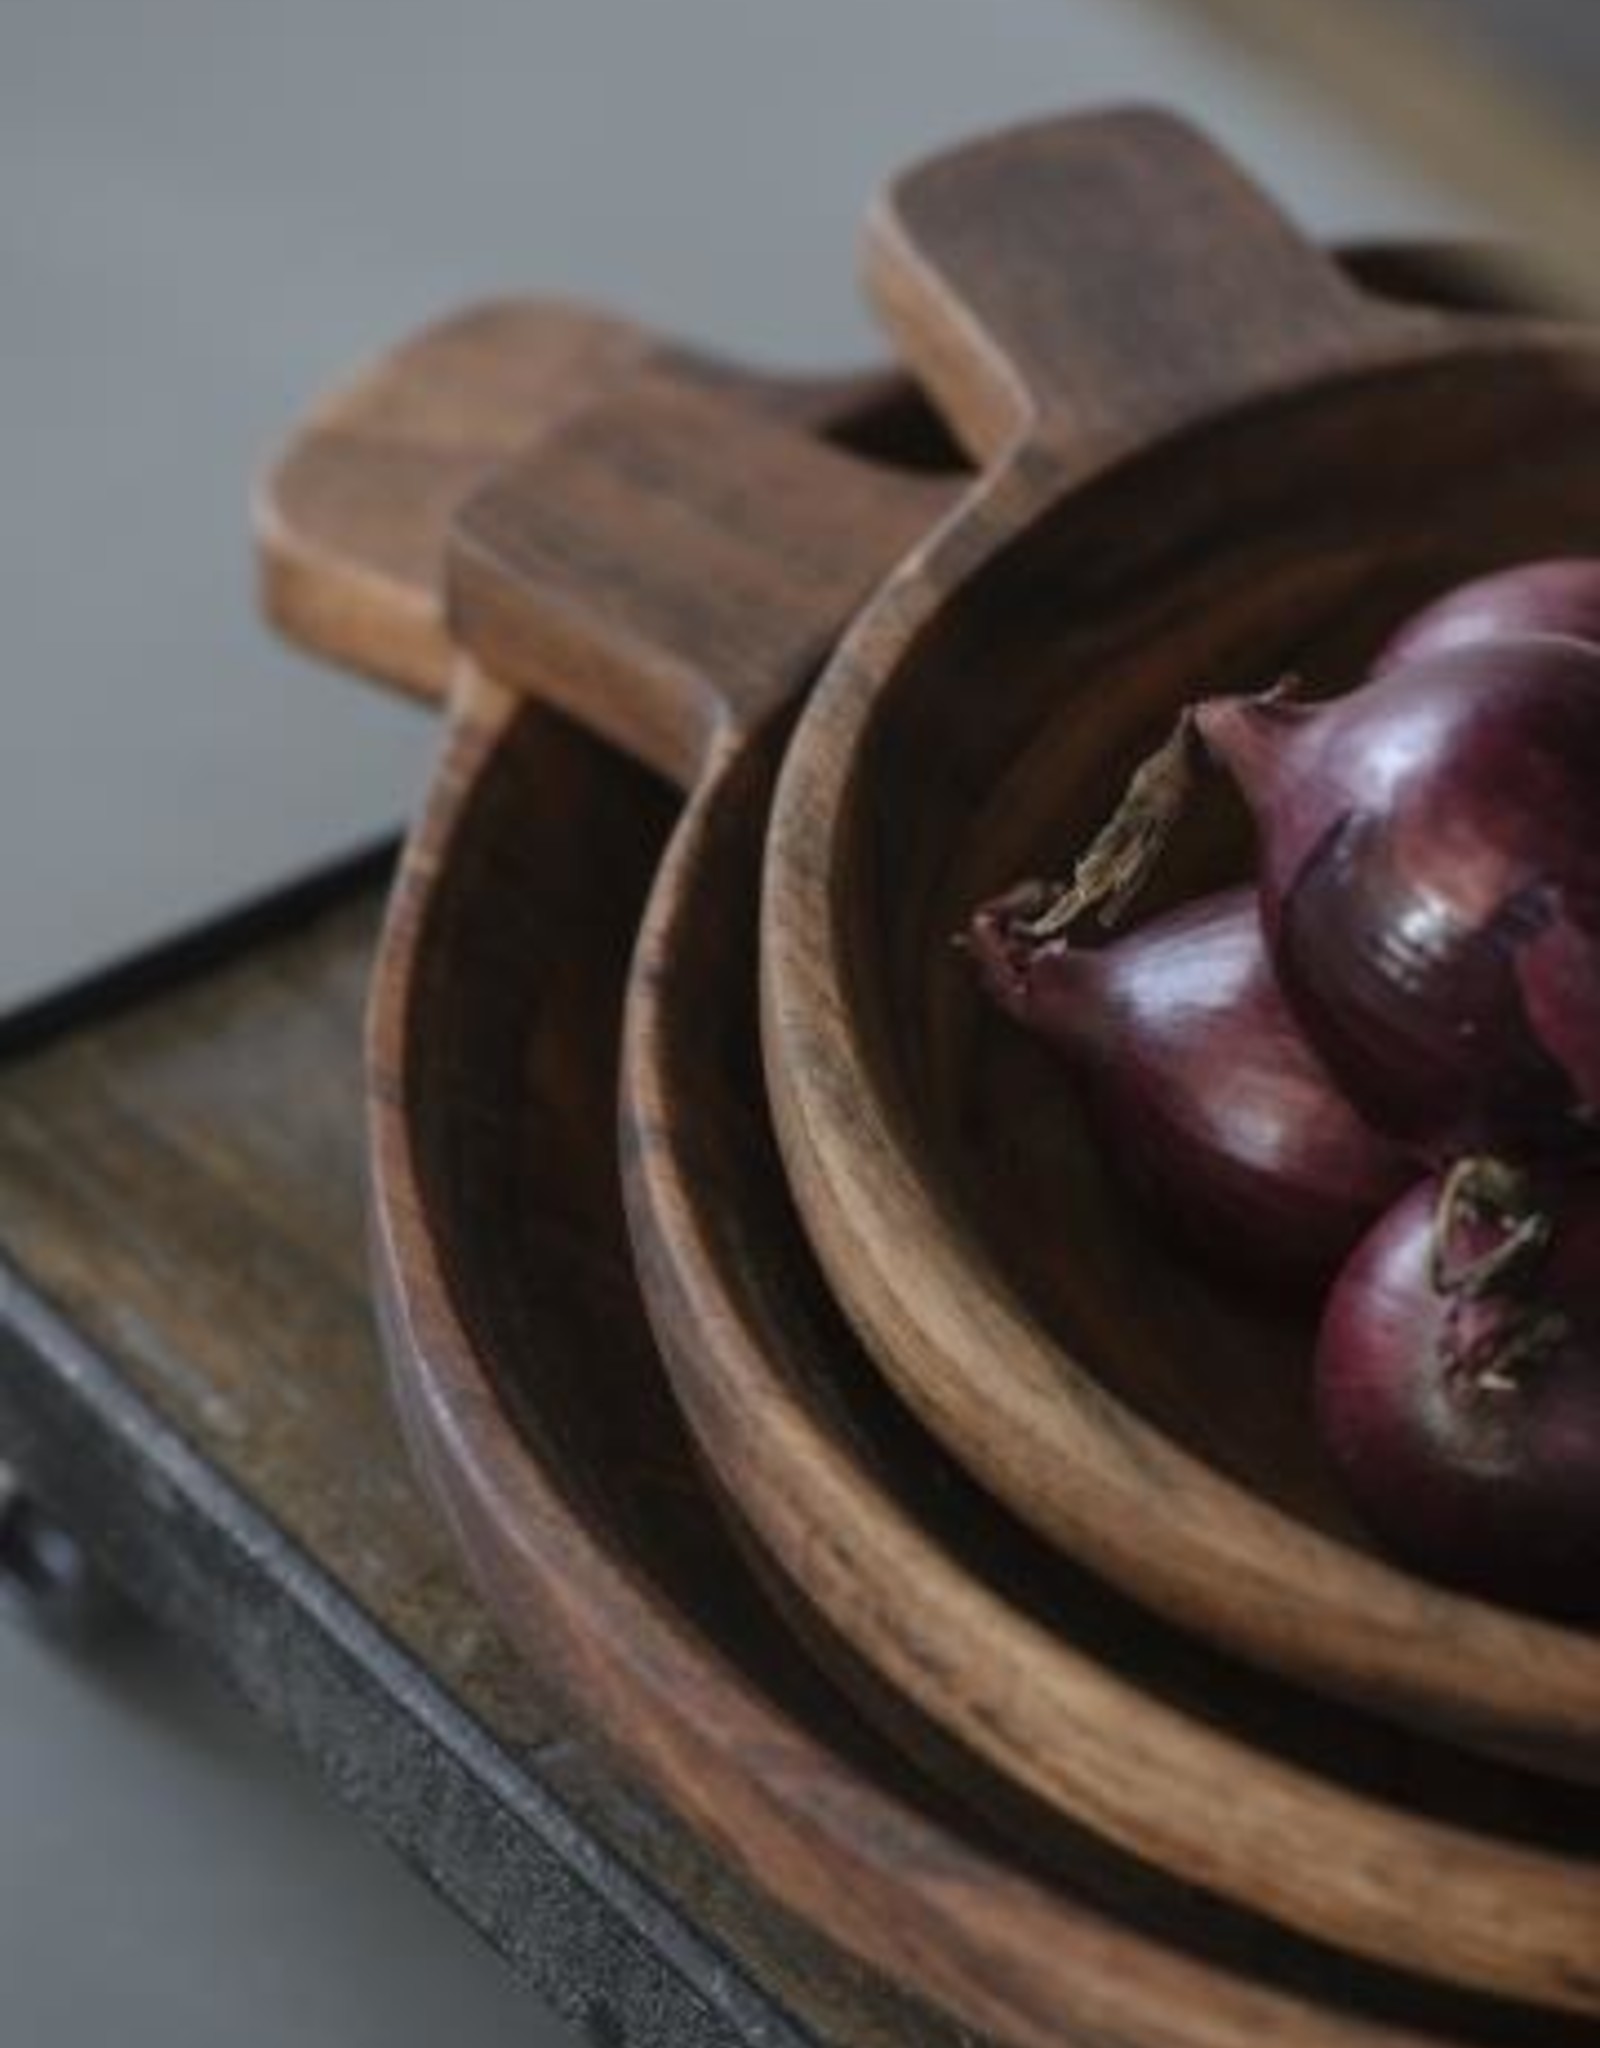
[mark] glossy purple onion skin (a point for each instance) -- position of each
(1431, 887)
(1561, 596)
(1488, 1487)
(1200, 1085)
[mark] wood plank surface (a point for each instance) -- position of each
(182, 1180)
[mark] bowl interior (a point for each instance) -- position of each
(1291, 538)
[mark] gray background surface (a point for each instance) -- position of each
(210, 208)
(207, 211)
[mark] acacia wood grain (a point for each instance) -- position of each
(352, 515)
(1329, 466)
(669, 567)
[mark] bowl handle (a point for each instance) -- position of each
(352, 515)
(1095, 282)
(669, 567)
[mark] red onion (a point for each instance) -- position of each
(1202, 1087)
(1431, 886)
(1458, 1384)
(1558, 596)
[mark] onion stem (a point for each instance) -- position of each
(1489, 1190)
(1118, 860)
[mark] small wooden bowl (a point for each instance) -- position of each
(1216, 464)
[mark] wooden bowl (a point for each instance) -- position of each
(525, 1373)
(1056, 1706)
(1215, 463)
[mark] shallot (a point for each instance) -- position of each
(1458, 1383)
(1431, 886)
(1204, 1090)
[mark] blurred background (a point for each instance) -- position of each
(209, 211)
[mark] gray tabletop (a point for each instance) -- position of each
(207, 210)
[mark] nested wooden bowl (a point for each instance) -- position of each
(518, 1360)
(536, 1407)
(1214, 463)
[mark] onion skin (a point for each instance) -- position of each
(1200, 1084)
(1431, 887)
(1487, 1480)
(1560, 596)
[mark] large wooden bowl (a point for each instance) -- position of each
(1216, 462)
(539, 1414)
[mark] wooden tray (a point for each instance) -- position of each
(473, 1097)
(1215, 460)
